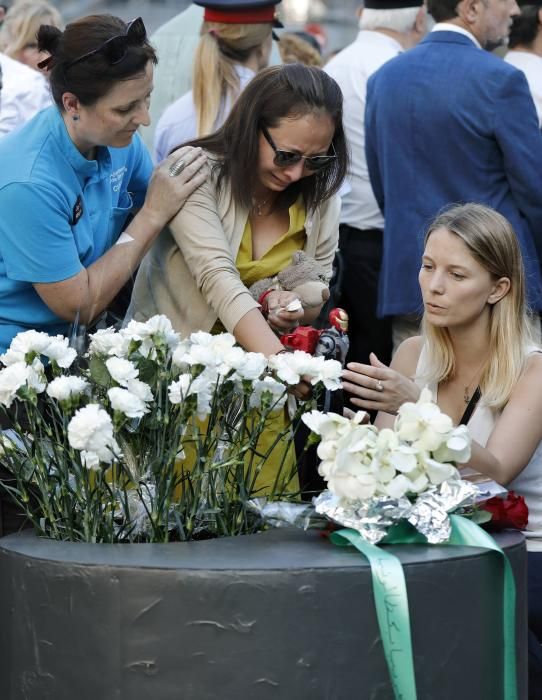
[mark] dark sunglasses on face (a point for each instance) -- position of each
(115, 49)
(284, 159)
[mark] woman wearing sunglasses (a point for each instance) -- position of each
(73, 175)
(277, 163)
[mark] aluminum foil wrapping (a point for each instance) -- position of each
(428, 513)
(287, 514)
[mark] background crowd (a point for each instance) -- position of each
(408, 164)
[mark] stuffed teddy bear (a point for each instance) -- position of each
(305, 277)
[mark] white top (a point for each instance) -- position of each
(179, 122)
(24, 93)
(531, 65)
(528, 483)
(351, 68)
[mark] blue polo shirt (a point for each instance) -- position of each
(59, 212)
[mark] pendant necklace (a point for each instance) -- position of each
(258, 206)
(466, 391)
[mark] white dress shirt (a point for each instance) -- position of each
(179, 122)
(351, 68)
(531, 65)
(450, 27)
(24, 93)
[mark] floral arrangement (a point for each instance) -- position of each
(149, 437)
(378, 478)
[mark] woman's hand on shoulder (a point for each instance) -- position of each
(377, 387)
(167, 193)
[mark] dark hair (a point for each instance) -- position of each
(524, 26)
(441, 10)
(277, 92)
(94, 77)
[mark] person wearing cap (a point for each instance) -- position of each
(526, 48)
(387, 27)
(176, 43)
(448, 122)
(235, 44)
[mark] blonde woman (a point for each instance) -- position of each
(18, 36)
(235, 44)
(477, 357)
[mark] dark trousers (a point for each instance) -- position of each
(534, 578)
(362, 258)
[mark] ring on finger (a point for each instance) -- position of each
(177, 168)
(379, 386)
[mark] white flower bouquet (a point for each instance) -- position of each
(152, 437)
(378, 478)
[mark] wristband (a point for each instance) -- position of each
(262, 301)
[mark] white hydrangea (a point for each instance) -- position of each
(91, 431)
(126, 402)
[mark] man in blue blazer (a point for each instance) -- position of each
(449, 122)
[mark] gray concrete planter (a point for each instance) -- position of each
(280, 615)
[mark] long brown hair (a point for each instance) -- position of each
(291, 90)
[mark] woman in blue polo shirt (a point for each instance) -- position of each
(73, 174)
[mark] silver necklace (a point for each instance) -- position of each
(258, 206)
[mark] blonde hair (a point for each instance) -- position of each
(220, 48)
(22, 22)
(492, 242)
(294, 49)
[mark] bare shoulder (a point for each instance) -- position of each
(533, 368)
(406, 358)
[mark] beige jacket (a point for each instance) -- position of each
(190, 273)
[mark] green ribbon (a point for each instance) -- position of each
(391, 600)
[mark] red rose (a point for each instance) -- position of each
(511, 511)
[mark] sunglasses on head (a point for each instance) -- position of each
(286, 158)
(115, 49)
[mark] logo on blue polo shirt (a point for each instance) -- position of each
(117, 177)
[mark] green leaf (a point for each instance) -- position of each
(99, 372)
(148, 370)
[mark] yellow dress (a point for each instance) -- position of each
(278, 257)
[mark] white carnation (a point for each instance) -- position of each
(91, 430)
(121, 370)
(126, 402)
(12, 378)
(107, 342)
(140, 389)
(65, 387)
(270, 388)
(59, 352)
